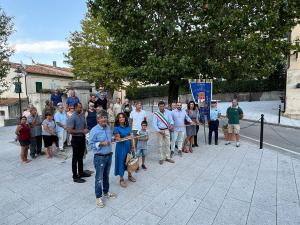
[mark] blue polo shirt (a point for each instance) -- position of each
(71, 101)
(100, 134)
(56, 98)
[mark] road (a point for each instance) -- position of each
(275, 137)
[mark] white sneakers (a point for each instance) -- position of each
(109, 195)
(99, 202)
(237, 143)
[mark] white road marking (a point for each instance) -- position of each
(275, 146)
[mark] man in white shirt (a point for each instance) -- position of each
(136, 117)
(179, 116)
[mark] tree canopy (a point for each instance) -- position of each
(91, 57)
(166, 40)
(6, 29)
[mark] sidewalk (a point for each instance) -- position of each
(214, 185)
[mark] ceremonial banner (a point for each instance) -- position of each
(202, 95)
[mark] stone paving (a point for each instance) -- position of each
(214, 185)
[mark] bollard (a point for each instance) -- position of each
(261, 131)
(279, 113)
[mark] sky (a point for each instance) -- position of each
(42, 28)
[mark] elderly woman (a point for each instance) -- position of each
(49, 134)
(121, 133)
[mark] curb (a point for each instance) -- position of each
(274, 124)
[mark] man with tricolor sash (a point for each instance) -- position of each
(163, 123)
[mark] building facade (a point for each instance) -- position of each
(292, 109)
(36, 78)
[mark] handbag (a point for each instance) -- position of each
(186, 122)
(132, 162)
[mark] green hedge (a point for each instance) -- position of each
(147, 92)
(218, 87)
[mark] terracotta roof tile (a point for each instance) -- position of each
(44, 69)
(48, 70)
(8, 101)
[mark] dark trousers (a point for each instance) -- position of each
(196, 137)
(35, 145)
(78, 146)
(102, 165)
(213, 127)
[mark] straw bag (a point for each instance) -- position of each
(132, 162)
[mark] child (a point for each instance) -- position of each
(23, 133)
(142, 143)
(111, 116)
(49, 134)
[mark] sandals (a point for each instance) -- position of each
(123, 184)
(131, 178)
(184, 150)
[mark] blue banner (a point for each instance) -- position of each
(202, 94)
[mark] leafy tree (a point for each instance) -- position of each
(166, 40)
(6, 29)
(90, 55)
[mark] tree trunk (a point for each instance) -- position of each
(173, 91)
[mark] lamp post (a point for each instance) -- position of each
(18, 87)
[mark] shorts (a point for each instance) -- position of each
(49, 140)
(141, 152)
(24, 143)
(234, 128)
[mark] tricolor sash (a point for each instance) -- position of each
(162, 118)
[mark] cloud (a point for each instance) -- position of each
(42, 47)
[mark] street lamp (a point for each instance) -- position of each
(18, 87)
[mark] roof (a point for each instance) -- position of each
(44, 69)
(8, 101)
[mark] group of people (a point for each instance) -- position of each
(106, 124)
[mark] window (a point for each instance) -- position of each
(38, 87)
(53, 85)
(2, 113)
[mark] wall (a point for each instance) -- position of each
(6, 116)
(48, 82)
(10, 92)
(39, 99)
(293, 78)
(227, 97)
(12, 113)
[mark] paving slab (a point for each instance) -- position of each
(213, 185)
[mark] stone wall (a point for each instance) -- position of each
(293, 95)
(226, 97)
(293, 78)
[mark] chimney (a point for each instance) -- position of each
(54, 63)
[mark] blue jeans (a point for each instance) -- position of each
(102, 166)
